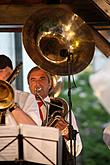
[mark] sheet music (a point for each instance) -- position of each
(45, 140)
(40, 144)
(7, 135)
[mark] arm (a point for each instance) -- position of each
(20, 116)
(28, 111)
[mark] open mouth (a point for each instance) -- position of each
(38, 90)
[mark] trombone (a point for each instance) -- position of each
(7, 92)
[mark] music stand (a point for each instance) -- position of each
(31, 148)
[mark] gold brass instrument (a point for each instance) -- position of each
(57, 83)
(51, 35)
(15, 73)
(51, 30)
(58, 114)
(6, 99)
(60, 104)
(7, 93)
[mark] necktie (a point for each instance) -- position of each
(40, 104)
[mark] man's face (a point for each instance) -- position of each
(39, 83)
(5, 73)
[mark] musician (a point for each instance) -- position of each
(24, 109)
(39, 84)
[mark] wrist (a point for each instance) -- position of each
(13, 107)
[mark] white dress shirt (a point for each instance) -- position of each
(75, 127)
(28, 104)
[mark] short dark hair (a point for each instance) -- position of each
(5, 61)
(36, 68)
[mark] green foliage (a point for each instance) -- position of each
(91, 117)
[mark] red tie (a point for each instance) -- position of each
(40, 104)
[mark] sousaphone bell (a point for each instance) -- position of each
(53, 32)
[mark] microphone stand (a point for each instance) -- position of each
(72, 131)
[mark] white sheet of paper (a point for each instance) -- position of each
(40, 144)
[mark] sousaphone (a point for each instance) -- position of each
(52, 33)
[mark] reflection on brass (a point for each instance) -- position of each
(6, 91)
(6, 95)
(58, 116)
(57, 83)
(53, 34)
(60, 111)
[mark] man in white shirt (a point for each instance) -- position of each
(40, 83)
(24, 109)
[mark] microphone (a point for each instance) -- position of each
(64, 53)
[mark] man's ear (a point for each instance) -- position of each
(50, 82)
(50, 85)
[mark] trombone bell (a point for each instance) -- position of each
(6, 95)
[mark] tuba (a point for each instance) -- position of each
(7, 93)
(60, 42)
